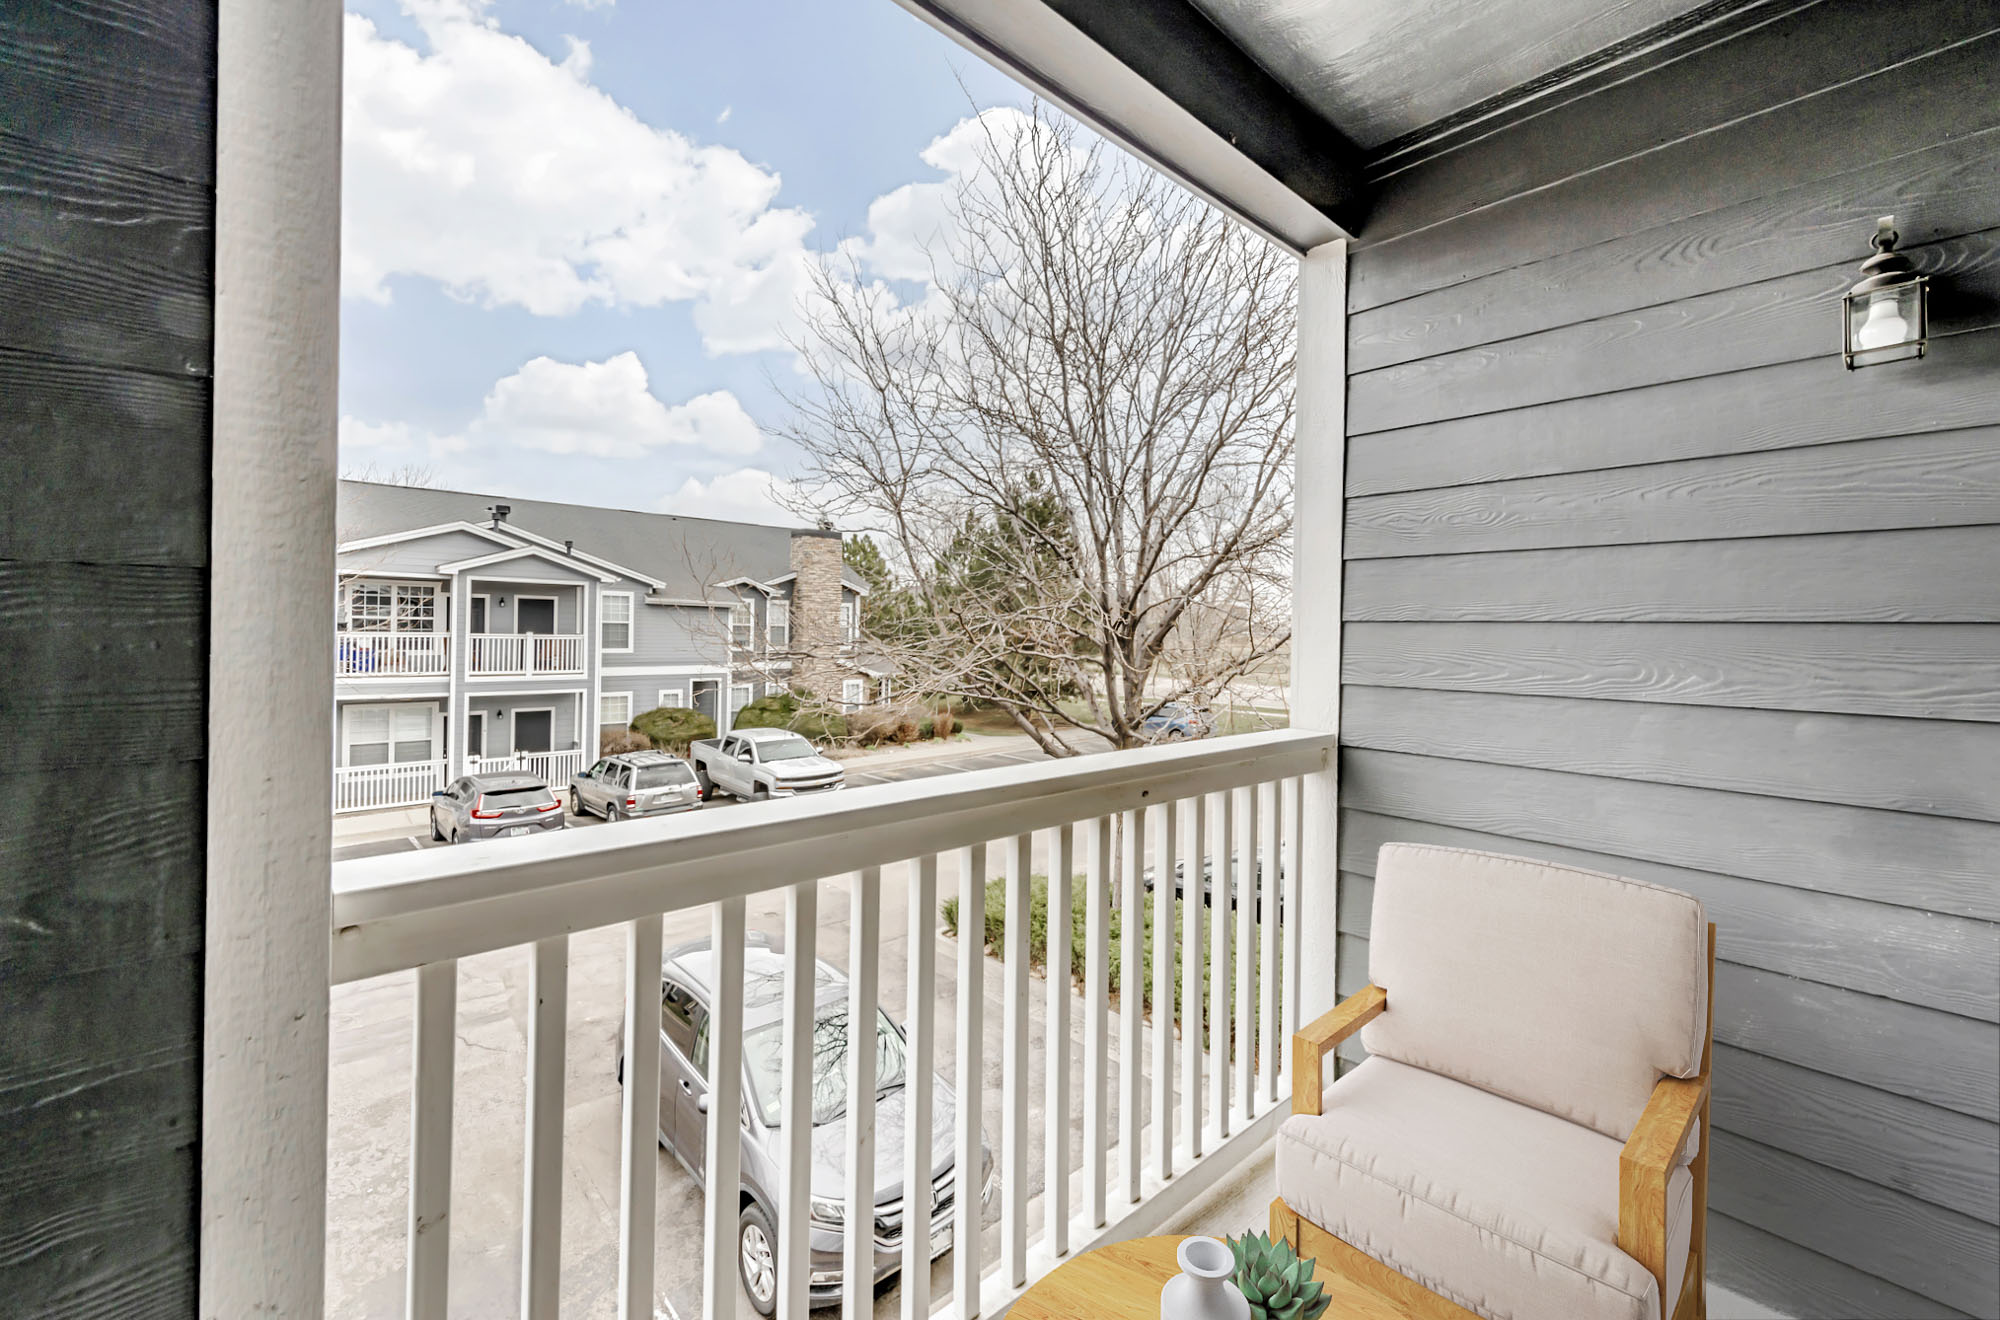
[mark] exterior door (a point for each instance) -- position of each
(705, 700)
(475, 733)
(534, 731)
(478, 615)
(534, 614)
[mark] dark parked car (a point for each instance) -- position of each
(635, 784)
(687, 974)
(493, 807)
(1174, 722)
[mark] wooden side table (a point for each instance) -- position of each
(1122, 1281)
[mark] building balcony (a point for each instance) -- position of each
(532, 655)
(391, 655)
(1103, 1119)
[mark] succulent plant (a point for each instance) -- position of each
(1276, 1283)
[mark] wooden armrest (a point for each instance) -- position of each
(1643, 1168)
(1325, 1032)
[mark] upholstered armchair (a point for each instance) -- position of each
(1525, 1139)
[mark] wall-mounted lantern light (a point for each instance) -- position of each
(1886, 317)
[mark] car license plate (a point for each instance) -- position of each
(513, 831)
(940, 1241)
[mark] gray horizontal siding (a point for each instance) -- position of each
(106, 282)
(1640, 580)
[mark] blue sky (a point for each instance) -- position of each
(573, 229)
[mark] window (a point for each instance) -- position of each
(742, 624)
(681, 1017)
(739, 697)
(848, 626)
(388, 607)
(882, 689)
(378, 735)
(853, 692)
(778, 625)
(614, 708)
(616, 627)
(673, 698)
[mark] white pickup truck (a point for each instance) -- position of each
(764, 763)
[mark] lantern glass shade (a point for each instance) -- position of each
(1886, 324)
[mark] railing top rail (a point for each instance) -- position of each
(407, 909)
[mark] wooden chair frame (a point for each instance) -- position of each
(1644, 1167)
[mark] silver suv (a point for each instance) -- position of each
(493, 807)
(635, 784)
(687, 975)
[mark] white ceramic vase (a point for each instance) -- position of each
(1203, 1290)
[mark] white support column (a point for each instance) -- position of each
(458, 705)
(270, 679)
(1318, 509)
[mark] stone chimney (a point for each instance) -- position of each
(816, 591)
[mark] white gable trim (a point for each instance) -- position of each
(747, 582)
(419, 533)
(525, 552)
(557, 546)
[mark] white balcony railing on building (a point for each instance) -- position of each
(389, 655)
(533, 654)
(1204, 1103)
(373, 787)
(556, 767)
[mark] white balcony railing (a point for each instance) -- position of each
(1199, 1108)
(373, 787)
(533, 654)
(555, 767)
(389, 655)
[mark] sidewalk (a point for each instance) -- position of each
(918, 753)
(379, 826)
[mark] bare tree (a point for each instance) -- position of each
(1076, 446)
(405, 474)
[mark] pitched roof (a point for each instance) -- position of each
(686, 554)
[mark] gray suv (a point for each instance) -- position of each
(635, 784)
(493, 807)
(687, 974)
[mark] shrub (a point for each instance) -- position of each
(1038, 939)
(926, 727)
(944, 724)
(672, 728)
(873, 724)
(819, 725)
(907, 730)
(775, 711)
(610, 742)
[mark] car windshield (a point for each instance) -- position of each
(785, 749)
(764, 1052)
(663, 776)
(515, 797)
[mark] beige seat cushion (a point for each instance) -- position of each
(1568, 990)
(1508, 1211)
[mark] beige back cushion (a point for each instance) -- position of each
(1572, 991)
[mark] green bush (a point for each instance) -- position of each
(674, 727)
(776, 711)
(926, 727)
(820, 726)
(1038, 939)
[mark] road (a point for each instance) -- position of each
(868, 772)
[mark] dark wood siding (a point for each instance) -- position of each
(106, 246)
(1638, 578)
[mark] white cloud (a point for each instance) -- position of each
(599, 409)
(906, 224)
(510, 179)
(745, 495)
(591, 4)
(723, 118)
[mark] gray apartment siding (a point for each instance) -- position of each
(671, 634)
(420, 556)
(500, 711)
(106, 237)
(503, 612)
(1639, 578)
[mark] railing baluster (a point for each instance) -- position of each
(1192, 906)
(969, 1076)
(541, 1192)
(435, 1040)
(1131, 996)
(1246, 951)
(1014, 1066)
(1294, 835)
(795, 1082)
(1055, 1128)
(1220, 889)
(1096, 1021)
(639, 1157)
(719, 1280)
(1269, 869)
(1167, 818)
(864, 930)
(918, 1074)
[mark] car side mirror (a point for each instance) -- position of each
(701, 1103)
